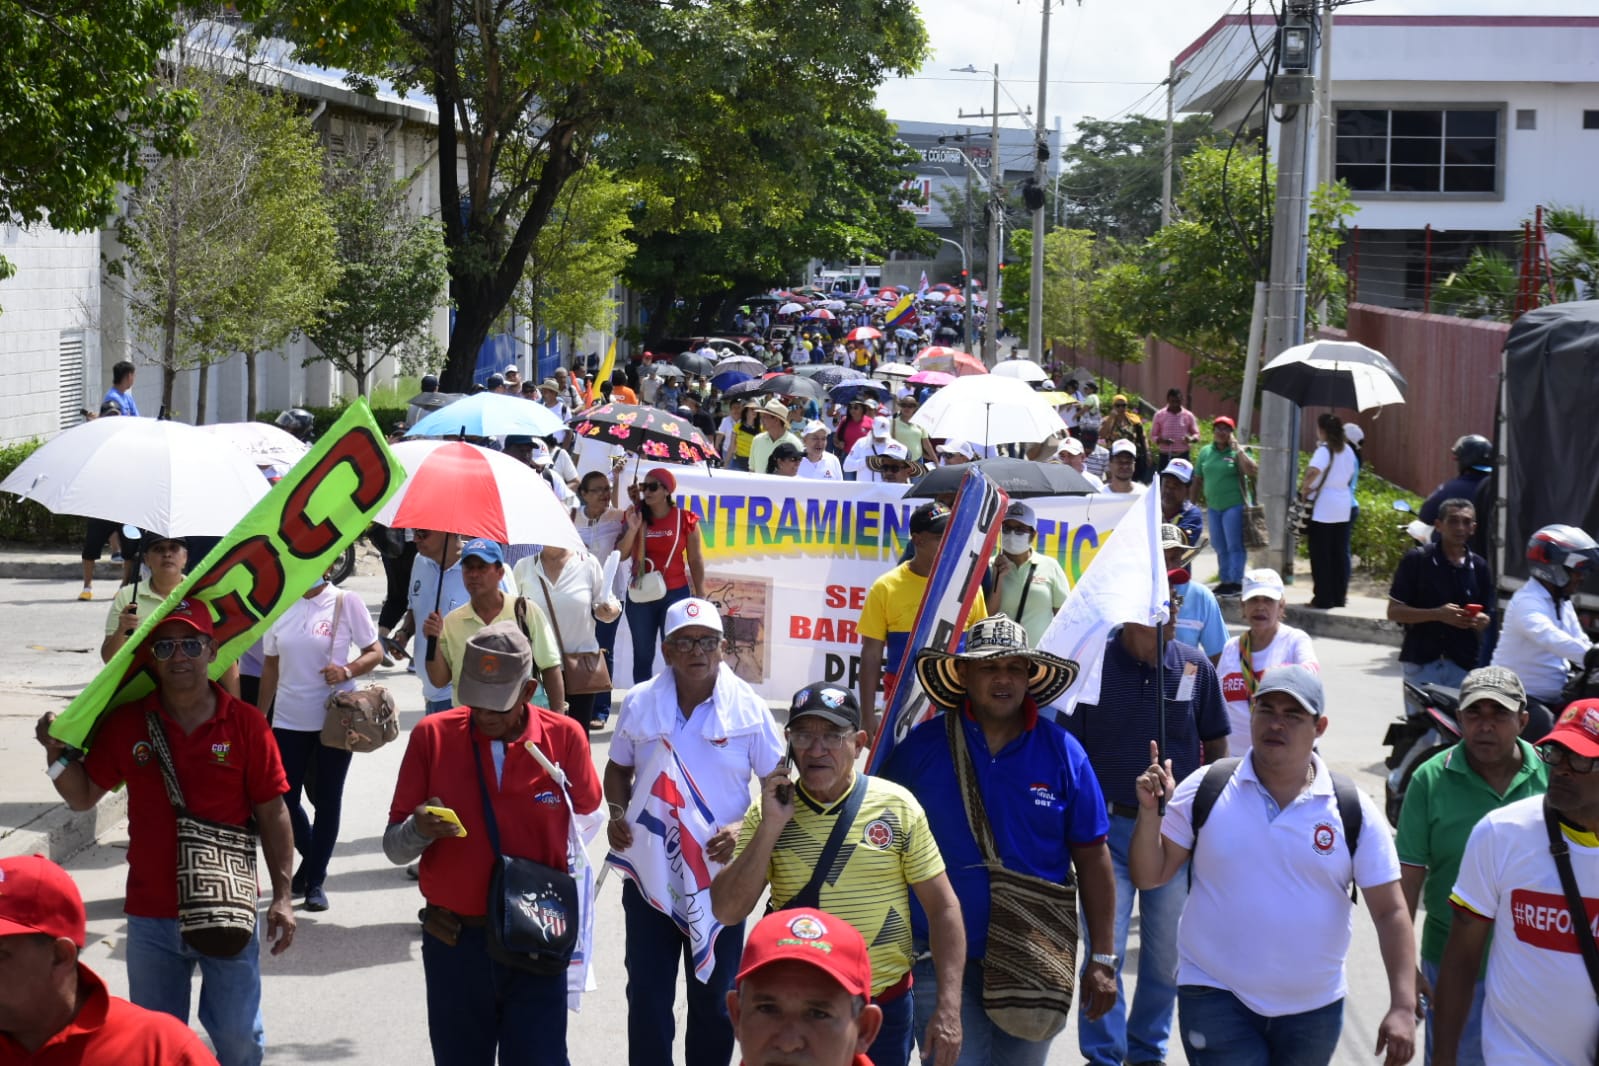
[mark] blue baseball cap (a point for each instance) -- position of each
(484, 548)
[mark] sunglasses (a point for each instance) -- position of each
(653, 486)
(192, 648)
(688, 644)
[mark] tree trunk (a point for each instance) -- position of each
(202, 383)
(169, 344)
(251, 399)
(658, 315)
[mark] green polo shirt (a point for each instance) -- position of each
(1446, 798)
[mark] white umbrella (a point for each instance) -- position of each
(475, 492)
(740, 364)
(1334, 374)
(167, 477)
(1021, 369)
(893, 370)
(791, 309)
(932, 297)
(988, 409)
(264, 443)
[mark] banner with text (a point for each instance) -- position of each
(788, 561)
(276, 552)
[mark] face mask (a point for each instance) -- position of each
(1015, 543)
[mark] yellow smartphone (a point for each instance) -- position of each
(449, 816)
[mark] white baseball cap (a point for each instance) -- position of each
(1123, 447)
(1070, 446)
(1267, 583)
(692, 612)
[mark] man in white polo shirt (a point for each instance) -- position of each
(1539, 1005)
(1266, 929)
(694, 729)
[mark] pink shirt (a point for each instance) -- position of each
(1178, 427)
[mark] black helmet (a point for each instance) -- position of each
(1474, 452)
(1555, 553)
(297, 421)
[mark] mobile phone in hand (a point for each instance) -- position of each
(785, 791)
(395, 649)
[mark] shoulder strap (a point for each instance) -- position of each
(163, 754)
(1216, 777)
(538, 572)
(1581, 928)
(521, 617)
(811, 894)
(483, 790)
(971, 794)
(1027, 586)
(1347, 793)
(333, 634)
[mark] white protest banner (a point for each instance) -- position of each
(788, 561)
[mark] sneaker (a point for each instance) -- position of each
(116, 557)
(86, 594)
(316, 899)
(297, 884)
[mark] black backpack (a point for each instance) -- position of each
(1345, 791)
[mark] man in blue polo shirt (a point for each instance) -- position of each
(1040, 798)
(1116, 733)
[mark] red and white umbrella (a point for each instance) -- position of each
(863, 333)
(822, 313)
(949, 360)
(932, 297)
(474, 492)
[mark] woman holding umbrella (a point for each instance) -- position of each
(1327, 483)
(662, 539)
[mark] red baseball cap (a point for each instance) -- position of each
(37, 896)
(192, 613)
(815, 938)
(1223, 420)
(1578, 729)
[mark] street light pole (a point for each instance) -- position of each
(1035, 296)
(966, 293)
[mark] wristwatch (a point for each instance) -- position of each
(1110, 961)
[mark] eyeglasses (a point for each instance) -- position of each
(804, 740)
(1555, 756)
(653, 486)
(192, 648)
(688, 644)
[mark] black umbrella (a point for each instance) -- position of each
(695, 363)
(1020, 478)
(783, 385)
(828, 376)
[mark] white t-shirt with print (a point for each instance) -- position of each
(1540, 1005)
(303, 640)
(1289, 646)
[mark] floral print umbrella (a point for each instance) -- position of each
(647, 432)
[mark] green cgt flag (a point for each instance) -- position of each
(276, 552)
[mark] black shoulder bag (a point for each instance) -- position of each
(532, 908)
(811, 895)
(1580, 926)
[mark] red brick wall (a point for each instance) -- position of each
(1451, 365)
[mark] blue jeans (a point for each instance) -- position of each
(1227, 535)
(1469, 1052)
(1218, 1030)
(645, 621)
(161, 969)
(477, 1008)
(606, 633)
(439, 706)
(1444, 672)
(313, 840)
(982, 1042)
(1142, 1033)
(896, 1039)
(655, 946)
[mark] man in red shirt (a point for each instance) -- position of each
(228, 767)
(804, 993)
(478, 1007)
(54, 1009)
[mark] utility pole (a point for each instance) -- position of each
(1292, 90)
(968, 309)
(996, 211)
(1035, 294)
(1167, 155)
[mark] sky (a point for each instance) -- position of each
(1106, 57)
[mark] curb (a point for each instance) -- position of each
(61, 832)
(1330, 624)
(56, 570)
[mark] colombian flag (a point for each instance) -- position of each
(903, 316)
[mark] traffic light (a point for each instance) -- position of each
(964, 275)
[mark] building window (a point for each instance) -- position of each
(1590, 120)
(1526, 119)
(1416, 150)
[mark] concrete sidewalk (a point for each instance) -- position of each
(1364, 620)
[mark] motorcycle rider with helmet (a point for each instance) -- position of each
(1540, 634)
(1474, 457)
(297, 422)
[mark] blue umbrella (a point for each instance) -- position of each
(489, 414)
(728, 378)
(851, 391)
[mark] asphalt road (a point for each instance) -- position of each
(351, 990)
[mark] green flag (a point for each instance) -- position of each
(276, 552)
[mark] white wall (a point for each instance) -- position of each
(55, 290)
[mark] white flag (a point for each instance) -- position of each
(1125, 582)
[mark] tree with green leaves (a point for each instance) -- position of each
(80, 98)
(1195, 281)
(231, 248)
(684, 97)
(1111, 183)
(392, 271)
(1485, 286)
(1575, 264)
(1079, 309)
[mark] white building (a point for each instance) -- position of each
(1462, 123)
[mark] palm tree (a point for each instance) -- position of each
(1576, 264)
(1484, 287)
